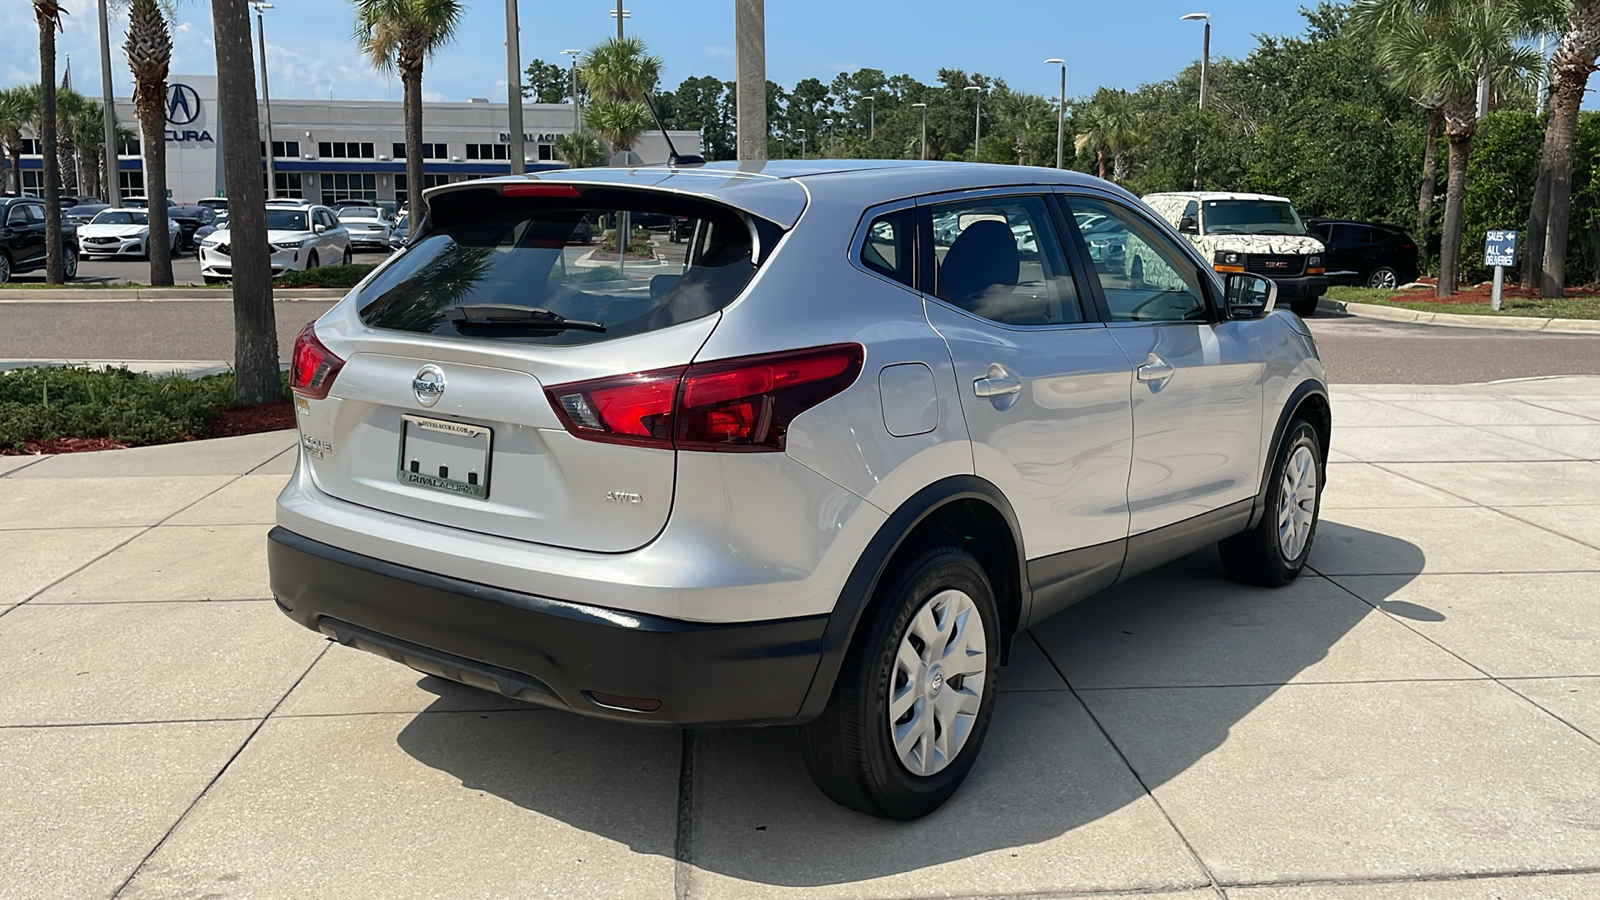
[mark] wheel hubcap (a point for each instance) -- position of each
(936, 685)
(1385, 279)
(1297, 507)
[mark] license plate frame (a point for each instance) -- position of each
(430, 448)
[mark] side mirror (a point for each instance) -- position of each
(318, 228)
(1187, 225)
(1249, 296)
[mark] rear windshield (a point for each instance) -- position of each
(357, 212)
(1251, 217)
(553, 259)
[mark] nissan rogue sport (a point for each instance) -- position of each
(819, 464)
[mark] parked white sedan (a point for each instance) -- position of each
(118, 232)
(303, 236)
(369, 226)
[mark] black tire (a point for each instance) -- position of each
(848, 749)
(211, 279)
(1257, 556)
(312, 261)
(1383, 277)
(69, 264)
(1305, 309)
(5, 267)
(349, 256)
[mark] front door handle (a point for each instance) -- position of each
(1155, 369)
(997, 383)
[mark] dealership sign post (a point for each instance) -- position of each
(1500, 251)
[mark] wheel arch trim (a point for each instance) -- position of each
(862, 584)
(1307, 392)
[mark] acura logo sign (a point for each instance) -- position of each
(183, 104)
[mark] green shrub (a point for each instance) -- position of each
(128, 407)
(326, 277)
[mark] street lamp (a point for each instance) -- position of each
(872, 117)
(802, 133)
(577, 123)
(977, 119)
(266, 98)
(1061, 114)
(109, 111)
(924, 108)
(619, 14)
(514, 91)
(1205, 50)
(829, 123)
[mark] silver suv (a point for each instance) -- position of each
(818, 464)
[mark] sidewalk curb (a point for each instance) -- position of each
(1457, 320)
(130, 295)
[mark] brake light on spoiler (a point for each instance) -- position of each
(534, 189)
(744, 404)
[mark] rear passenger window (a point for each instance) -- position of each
(887, 249)
(1000, 258)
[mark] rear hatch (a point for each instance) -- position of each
(438, 407)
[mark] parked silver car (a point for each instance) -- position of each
(817, 465)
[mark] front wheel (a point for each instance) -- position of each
(349, 256)
(1273, 553)
(915, 694)
(312, 262)
(1305, 309)
(5, 267)
(69, 263)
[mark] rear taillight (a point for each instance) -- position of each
(539, 190)
(743, 404)
(314, 366)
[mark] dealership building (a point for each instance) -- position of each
(329, 150)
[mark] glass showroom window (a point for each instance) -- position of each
(352, 186)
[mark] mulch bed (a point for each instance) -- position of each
(228, 423)
(1480, 293)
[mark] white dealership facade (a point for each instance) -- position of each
(329, 150)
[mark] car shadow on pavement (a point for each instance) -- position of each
(1049, 783)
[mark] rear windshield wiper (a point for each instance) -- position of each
(529, 317)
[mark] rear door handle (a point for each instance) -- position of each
(1155, 369)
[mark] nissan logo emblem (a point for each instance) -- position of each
(428, 385)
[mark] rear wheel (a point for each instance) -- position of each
(1383, 277)
(1305, 309)
(1273, 553)
(915, 695)
(5, 267)
(69, 263)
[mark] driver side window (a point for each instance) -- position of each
(1143, 276)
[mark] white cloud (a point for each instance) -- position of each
(717, 50)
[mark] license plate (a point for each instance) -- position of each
(445, 456)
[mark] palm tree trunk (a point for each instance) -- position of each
(1570, 68)
(1100, 162)
(1430, 187)
(1532, 249)
(255, 332)
(1455, 190)
(411, 81)
(150, 102)
(46, 14)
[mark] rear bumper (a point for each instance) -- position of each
(1303, 287)
(547, 651)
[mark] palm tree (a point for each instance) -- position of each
(401, 35)
(1545, 258)
(48, 14)
(1442, 48)
(1111, 127)
(580, 150)
(255, 331)
(618, 74)
(19, 106)
(149, 49)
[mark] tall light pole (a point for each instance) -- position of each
(577, 122)
(829, 124)
(1205, 64)
(750, 99)
(924, 107)
(619, 14)
(109, 111)
(872, 117)
(977, 119)
(1061, 114)
(1205, 50)
(266, 98)
(514, 90)
(802, 133)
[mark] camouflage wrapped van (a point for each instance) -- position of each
(1254, 233)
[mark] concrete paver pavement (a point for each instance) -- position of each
(1418, 718)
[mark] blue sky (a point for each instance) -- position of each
(1123, 44)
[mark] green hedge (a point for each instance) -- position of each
(326, 276)
(46, 403)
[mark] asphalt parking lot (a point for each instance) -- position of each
(1417, 718)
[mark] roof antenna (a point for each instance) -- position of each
(673, 159)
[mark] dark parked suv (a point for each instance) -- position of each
(1369, 254)
(22, 239)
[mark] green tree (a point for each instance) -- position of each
(401, 35)
(1550, 218)
(618, 74)
(547, 83)
(149, 50)
(19, 108)
(706, 105)
(1110, 128)
(580, 150)
(1441, 48)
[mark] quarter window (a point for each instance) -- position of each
(1000, 258)
(887, 248)
(1144, 277)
